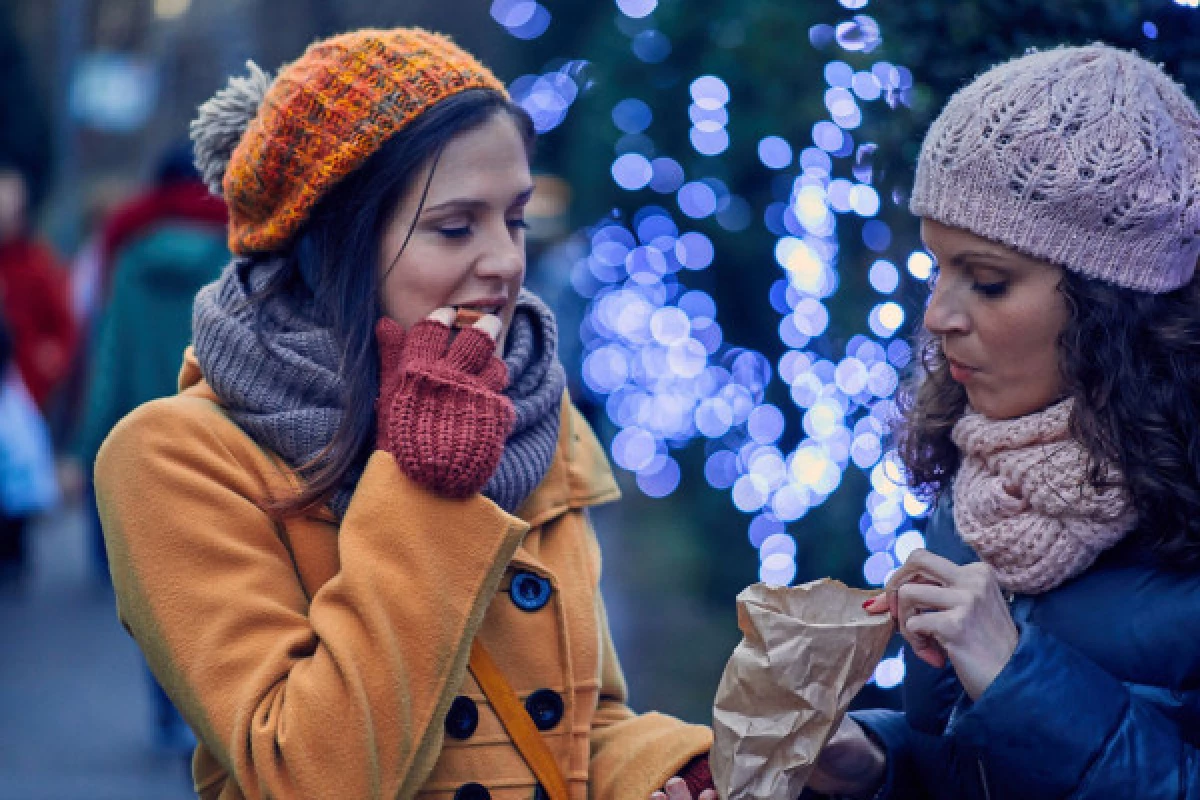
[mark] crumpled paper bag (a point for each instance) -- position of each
(805, 653)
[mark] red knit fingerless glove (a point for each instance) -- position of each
(441, 412)
(697, 775)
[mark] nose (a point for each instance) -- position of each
(945, 315)
(503, 255)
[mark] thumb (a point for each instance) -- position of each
(390, 338)
(388, 333)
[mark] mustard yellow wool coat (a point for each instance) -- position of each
(318, 660)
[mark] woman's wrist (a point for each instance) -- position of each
(877, 779)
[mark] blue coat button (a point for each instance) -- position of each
(546, 708)
(472, 791)
(529, 592)
(462, 719)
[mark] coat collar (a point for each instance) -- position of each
(579, 476)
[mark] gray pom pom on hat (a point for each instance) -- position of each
(221, 121)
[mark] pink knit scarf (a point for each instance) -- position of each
(1022, 500)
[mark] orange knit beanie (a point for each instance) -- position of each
(274, 148)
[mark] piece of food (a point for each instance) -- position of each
(467, 317)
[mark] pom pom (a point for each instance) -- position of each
(222, 120)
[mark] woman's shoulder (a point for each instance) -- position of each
(1138, 619)
(183, 432)
(590, 476)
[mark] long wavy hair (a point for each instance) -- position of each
(1131, 361)
(334, 261)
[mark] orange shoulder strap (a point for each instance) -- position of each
(517, 722)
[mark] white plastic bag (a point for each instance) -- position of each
(28, 480)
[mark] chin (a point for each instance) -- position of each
(1005, 409)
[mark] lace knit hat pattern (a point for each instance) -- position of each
(1087, 157)
(273, 148)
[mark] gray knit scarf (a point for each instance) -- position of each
(287, 395)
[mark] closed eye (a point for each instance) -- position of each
(991, 290)
(461, 232)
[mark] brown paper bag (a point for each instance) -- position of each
(806, 652)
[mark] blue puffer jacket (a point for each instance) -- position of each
(1100, 700)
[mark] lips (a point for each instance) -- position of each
(960, 372)
(491, 305)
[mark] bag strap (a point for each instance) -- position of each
(517, 722)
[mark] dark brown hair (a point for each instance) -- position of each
(334, 261)
(1131, 361)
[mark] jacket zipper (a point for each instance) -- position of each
(987, 795)
(1009, 597)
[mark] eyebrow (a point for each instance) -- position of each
(960, 259)
(474, 203)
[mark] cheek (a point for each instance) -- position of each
(1024, 344)
(422, 279)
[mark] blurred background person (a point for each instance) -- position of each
(155, 253)
(34, 296)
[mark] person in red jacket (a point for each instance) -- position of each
(34, 295)
(35, 302)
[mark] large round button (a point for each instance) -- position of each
(529, 592)
(546, 708)
(472, 791)
(462, 719)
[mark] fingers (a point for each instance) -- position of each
(469, 350)
(677, 790)
(491, 325)
(445, 315)
(475, 347)
(922, 564)
(495, 375)
(916, 600)
(924, 631)
(427, 339)
(389, 334)
(878, 604)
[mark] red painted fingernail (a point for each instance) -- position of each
(868, 602)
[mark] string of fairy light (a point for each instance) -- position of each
(655, 353)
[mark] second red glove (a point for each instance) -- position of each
(441, 410)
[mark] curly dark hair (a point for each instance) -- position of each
(1131, 361)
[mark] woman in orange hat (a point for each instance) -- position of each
(354, 548)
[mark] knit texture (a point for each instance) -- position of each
(1088, 157)
(697, 775)
(284, 388)
(1023, 501)
(440, 410)
(320, 118)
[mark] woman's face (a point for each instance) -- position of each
(468, 244)
(998, 315)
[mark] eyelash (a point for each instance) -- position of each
(465, 231)
(990, 291)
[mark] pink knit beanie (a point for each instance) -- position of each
(1087, 157)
